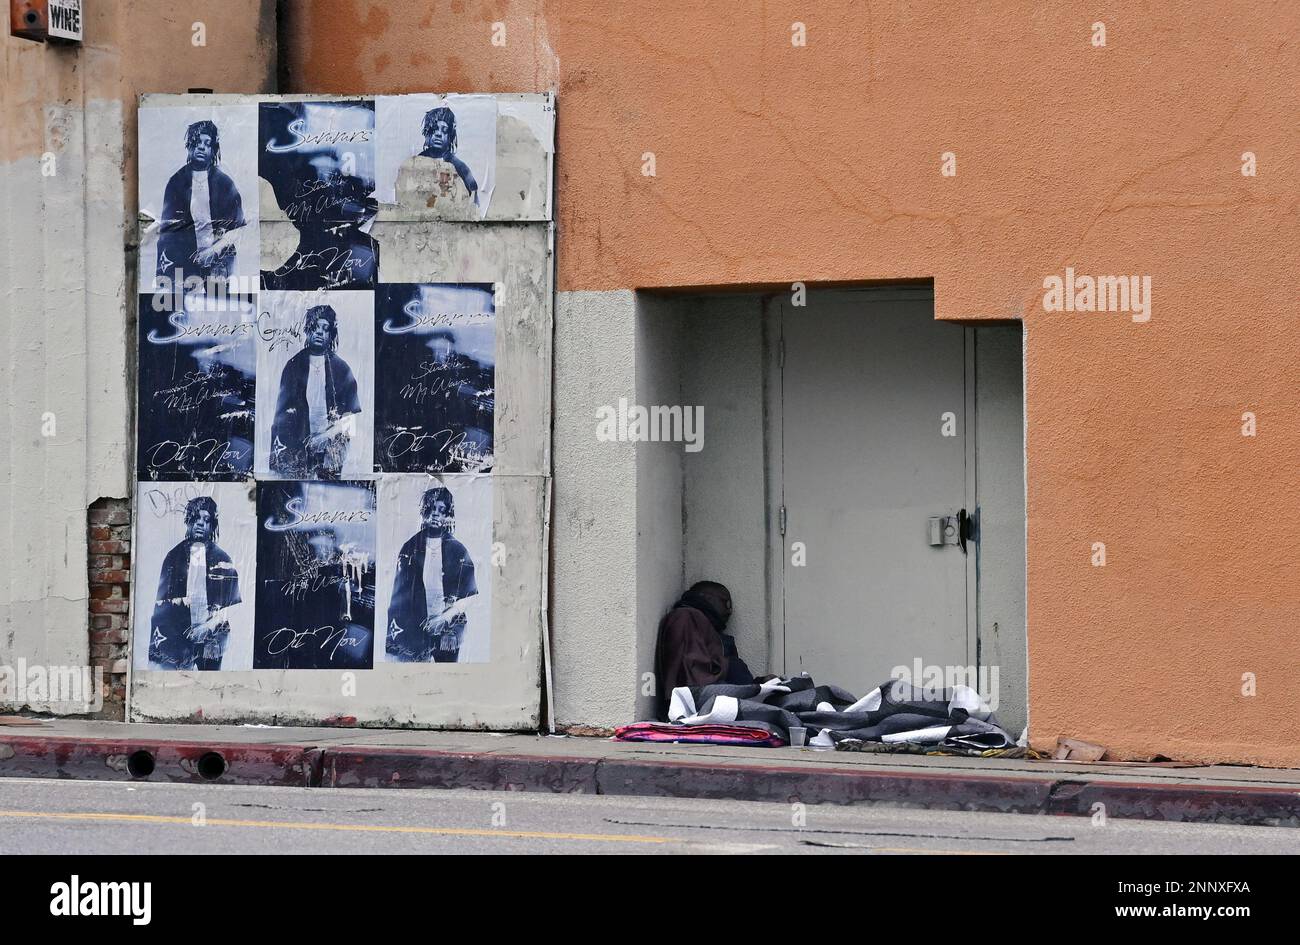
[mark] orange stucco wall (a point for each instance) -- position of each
(777, 163)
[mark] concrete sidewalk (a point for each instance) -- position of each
(338, 757)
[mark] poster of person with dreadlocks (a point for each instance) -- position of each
(198, 184)
(198, 542)
(434, 592)
(437, 154)
(315, 575)
(436, 395)
(315, 378)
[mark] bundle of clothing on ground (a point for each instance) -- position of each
(709, 695)
(762, 713)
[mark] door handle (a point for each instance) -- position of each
(965, 528)
(952, 529)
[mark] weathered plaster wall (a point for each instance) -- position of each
(778, 163)
(668, 516)
(63, 282)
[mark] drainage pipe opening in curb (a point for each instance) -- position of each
(140, 764)
(211, 766)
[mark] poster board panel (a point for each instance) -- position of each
(299, 222)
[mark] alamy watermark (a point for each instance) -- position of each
(58, 689)
(1075, 293)
(933, 680)
(219, 294)
(78, 897)
(657, 424)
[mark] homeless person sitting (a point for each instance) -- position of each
(692, 650)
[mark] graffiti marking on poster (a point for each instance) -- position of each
(196, 544)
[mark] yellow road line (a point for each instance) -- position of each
(938, 852)
(364, 828)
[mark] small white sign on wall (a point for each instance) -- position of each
(65, 20)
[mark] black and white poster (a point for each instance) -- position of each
(438, 153)
(197, 386)
(195, 551)
(315, 575)
(435, 396)
(315, 381)
(318, 159)
(435, 568)
(198, 183)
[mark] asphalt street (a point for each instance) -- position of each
(93, 817)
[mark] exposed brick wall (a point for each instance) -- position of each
(109, 523)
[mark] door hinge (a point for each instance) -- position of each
(781, 519)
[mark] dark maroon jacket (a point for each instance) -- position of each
(692, 650)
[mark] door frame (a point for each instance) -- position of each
(775, 309)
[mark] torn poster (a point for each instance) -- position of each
(437, 154)
(435, 568)
(315, 575)
(315, 372)
(197, 386)
(435, 397)
(198, 183)
(196, 550)
(318, 162)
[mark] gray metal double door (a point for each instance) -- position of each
(867, 407)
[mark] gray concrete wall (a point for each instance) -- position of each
(725, 483)
(635, 524)
(594, 518)
(67, 127)
(63, 425)
(659, 467)
(1000, 484)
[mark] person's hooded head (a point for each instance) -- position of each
(710, 598)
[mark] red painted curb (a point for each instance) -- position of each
(1032, 794)
(414, 768)
(799, 784)
(38, 756)
(420, 768)
(1189, 803)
